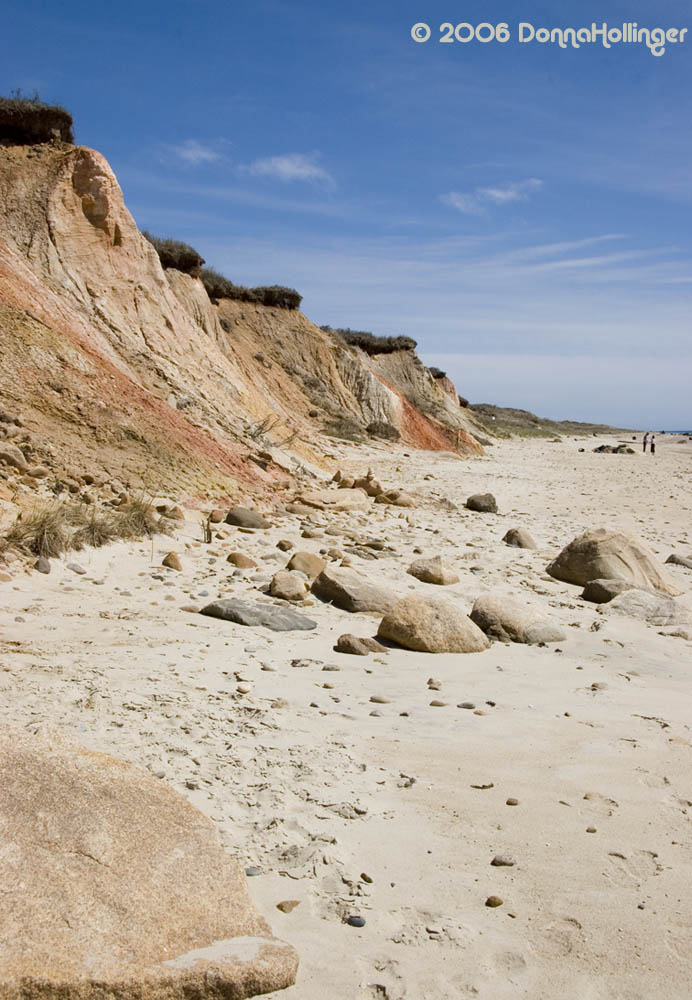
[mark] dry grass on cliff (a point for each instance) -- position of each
(63, 527)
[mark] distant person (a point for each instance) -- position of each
(653, 444)
(646, 438)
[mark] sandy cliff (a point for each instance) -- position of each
(129, 370)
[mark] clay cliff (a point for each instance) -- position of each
(113, 365)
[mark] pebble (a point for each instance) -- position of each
(436, 703)
(466, 704)
(512, 802)
(286, 905)
(379, 699)
(244, 688)
(366, 878)
(252, 870)
(493, 901)
(591, 829)
(376, 712)
(355, 921)
(502, 861)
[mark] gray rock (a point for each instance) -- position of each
(679, 561)
(253, 613)
(241, 517)
(602, 591)
(11, 455)
(76, 568)
(42, 565)
(605, 554)
(346, 589)
(519, 538)
(655, 609)
(359, 646)
(434, 570)
(484, 503)
(509, 619)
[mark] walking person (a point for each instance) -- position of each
(653, 444)
(646, 438)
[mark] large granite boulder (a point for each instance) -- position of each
(653, 608)
(113, 885)
(431, 625)
(602, 591)
(606, 554)
(509, 619)
(348, 590)
(242, 517)
(434, 570)
(240, 612)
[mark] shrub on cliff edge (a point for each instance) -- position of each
(27, 121)
(173, 253)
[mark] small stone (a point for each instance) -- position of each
(244, 688)
(376, 713)
(355, 921)
(172, 561)
(76, 568)
(434, 684)
(436, 703)
(252, 870)
(502, 861)
(284, 545)
(286, 905)
(493, 901)
(512, 802)
(366, 878)
(591, 829)
(379, 699)
(466, 704)
(42, 564)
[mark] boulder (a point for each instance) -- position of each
(241, 517)
(368, 483)
(11, 455)
(341, 499)
(396, 498)
(484, 503)
(430, 625)
(602, 591)
(253, 613)
(606, 554)
(287, 586)
(655, 609)
(509, 619)
(308, 563)
(358, 645)
(519, 538)
(240, 560)
(346, 589)
(676, 560)
(433, 570)
(115, 885)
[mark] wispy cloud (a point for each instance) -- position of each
(292, 167)
(193, 153)
(476, 202)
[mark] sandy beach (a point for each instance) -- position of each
(393, 809)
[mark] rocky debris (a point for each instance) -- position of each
(431, 625)
(288, 586)
(509, 619)
(483, 503)
(653, 608)
(12, 456)
(348, 590)
(605, 554)
(602, 591)
(519, 538)
(270, 616)
(372, 487)
(396, 498)
(172, 561)
(116, 885)
(358, 645)
(676, 560)
(240, 560)
(434, 570)
(341, 499)
(308, 563)
(610, 449)
(242, 517)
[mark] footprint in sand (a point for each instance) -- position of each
(381, 980)
(560, 937)
(636, 866)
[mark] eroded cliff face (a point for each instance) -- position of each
(119, 365)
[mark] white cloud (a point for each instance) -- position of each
(193, 152)
(476, 202)
(291, 167)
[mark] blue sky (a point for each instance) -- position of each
(522, 210)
